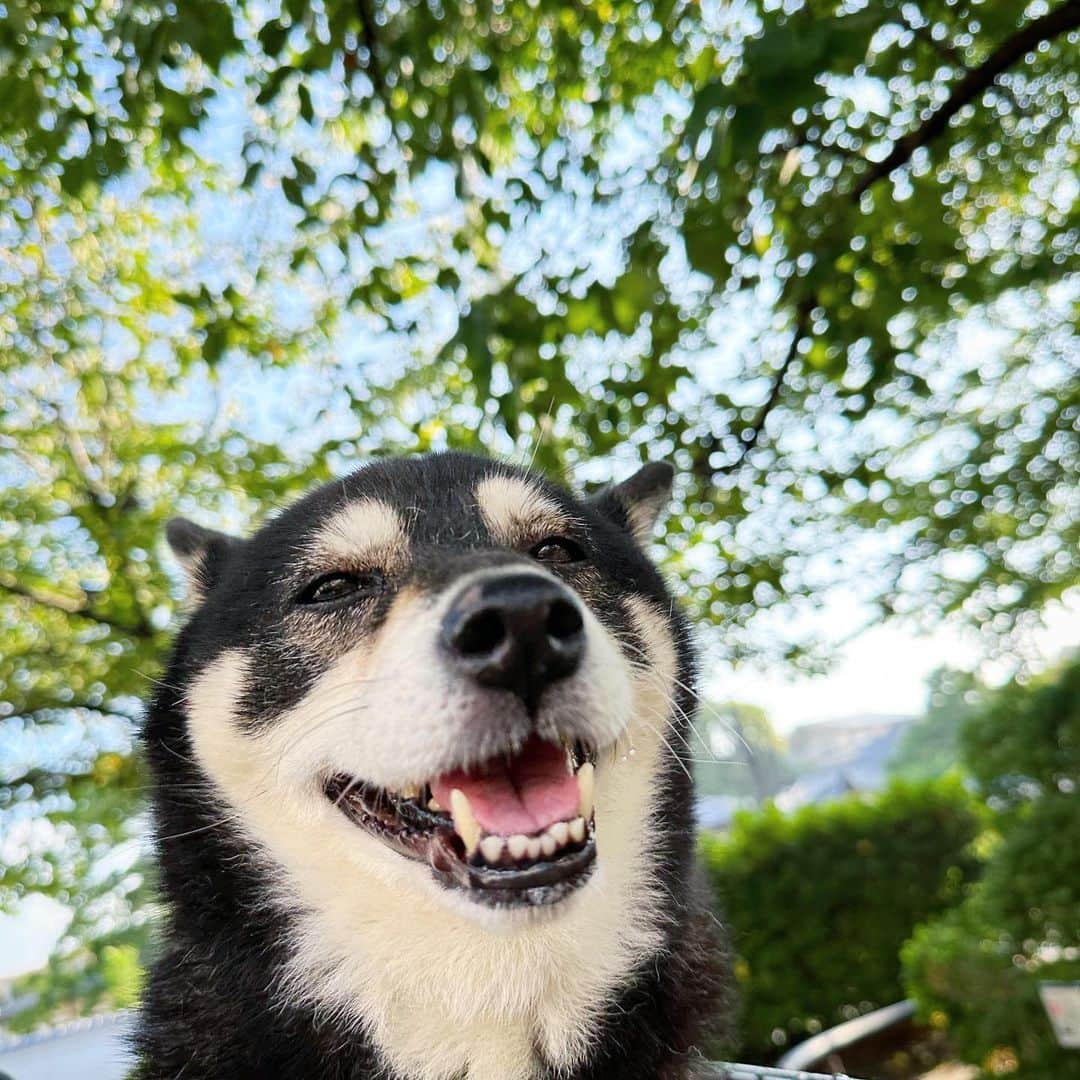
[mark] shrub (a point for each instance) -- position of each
(975, 971)
(1027, 739)
(820, 902)
(981, 986)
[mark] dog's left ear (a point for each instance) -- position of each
(636, 503)
(201, 553)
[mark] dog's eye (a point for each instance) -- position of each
(557, 549)
(332, 587)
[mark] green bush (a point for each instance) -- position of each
(1027, 739)
(820, 902)
(981, 985)
(975, 971)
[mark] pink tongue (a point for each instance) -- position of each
(525, 795)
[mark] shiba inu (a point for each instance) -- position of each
(421, 796)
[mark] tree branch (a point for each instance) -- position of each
(32, 462)
(1057, 22)
(40, 709)
(85, 467)
(367, 27)
(751, 436)
(69, 605)
(972, 83)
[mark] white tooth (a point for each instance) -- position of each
(586, 783)
(534, 848)
(410, 791)
(465, 823)
(577, 830)
(548, 843)
(559, 832)
(433, 805)
(491, 847)
(517, 845)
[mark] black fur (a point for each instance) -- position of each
(209, 1010)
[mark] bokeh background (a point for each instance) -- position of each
(821, 255)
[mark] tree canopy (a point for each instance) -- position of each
(820, 254)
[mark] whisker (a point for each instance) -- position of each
(201, 829)
(674, 753)
(649, 672)
(350, 786)
(542, 432)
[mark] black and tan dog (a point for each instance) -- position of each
(421, 797)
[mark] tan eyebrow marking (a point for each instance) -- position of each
(366, 530)
(515, 511)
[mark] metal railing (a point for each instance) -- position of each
(818, 1047)
(726, 1071)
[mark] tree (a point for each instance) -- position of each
(85, 601)
(817, 253)
(975, 971)
(866, 188)
(931, 745)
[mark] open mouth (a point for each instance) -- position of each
(517, 830)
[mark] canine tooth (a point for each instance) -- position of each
(548, 844)
(559, 832)
(586, 782)
(577, 830)
(465, 823)
(410, 791)
(517, 845)
(491, 847)
(534, 848)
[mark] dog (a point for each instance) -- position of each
(421, 791)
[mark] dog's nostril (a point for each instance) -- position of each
(563, 621)
(483, 633)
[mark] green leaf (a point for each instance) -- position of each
(293, 191)
(307, 109)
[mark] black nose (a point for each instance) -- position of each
(518, 632)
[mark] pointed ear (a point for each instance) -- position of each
(199, 551)
(636, 504)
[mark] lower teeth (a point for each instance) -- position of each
(496, 850)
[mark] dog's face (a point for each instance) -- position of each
(432, 669)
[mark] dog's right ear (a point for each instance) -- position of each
(201, 553)
(638, 502)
